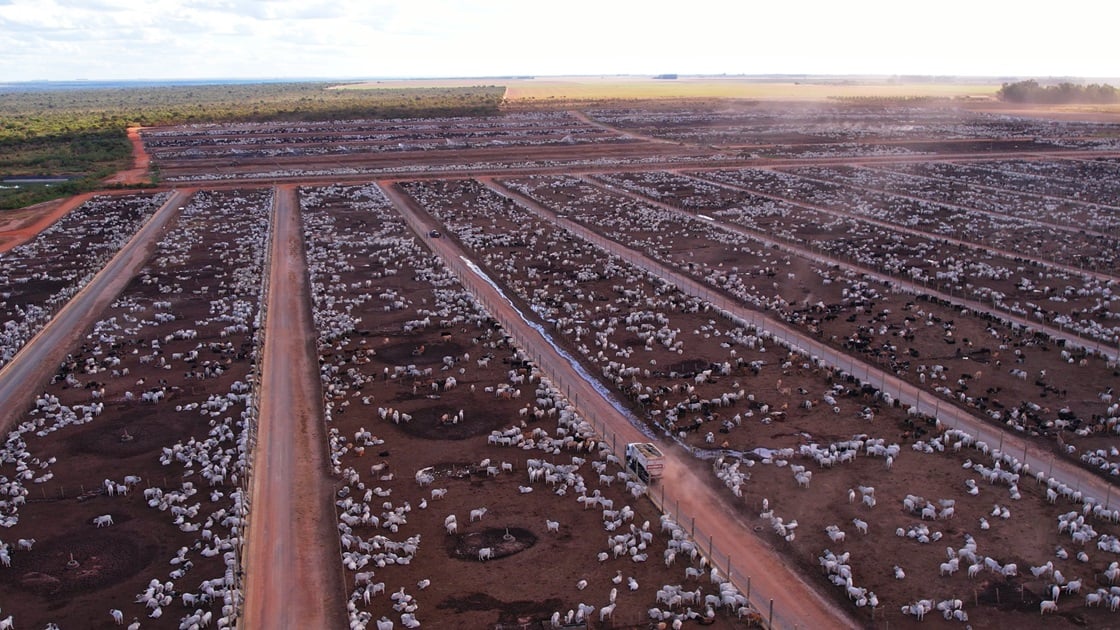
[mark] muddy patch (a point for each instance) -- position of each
(80, 562)
(502, 542)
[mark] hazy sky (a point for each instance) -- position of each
(133, 39)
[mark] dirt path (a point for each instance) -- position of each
(138, 174)
(346, 173)
(1071, 339)
(292, 568)
(796, 603)
(1042, 262)
(582, 117)
(21, 226)
(39, 358)
(950, 415)
(901, 194)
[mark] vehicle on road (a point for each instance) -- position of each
(645, 460)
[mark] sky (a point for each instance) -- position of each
(208, 39)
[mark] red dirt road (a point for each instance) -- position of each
(21, 226)
(796, 603)
(1071, 338)
(39, 359)
(293, 577)
(138, 174)
(948, 414)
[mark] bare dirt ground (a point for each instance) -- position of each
(37, 362)
(109, 412)
(291, 485)
(756, 442)
(811, 519)
(138, 174)
(20, 226)
(688, 491)
(535, 572)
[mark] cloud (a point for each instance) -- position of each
(247, 38)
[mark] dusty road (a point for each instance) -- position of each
(796, 603)
(21, 226)
(904, 282)
(949, 414)
(39, 358)
(138, 174)
(895, 227)
(292, 568)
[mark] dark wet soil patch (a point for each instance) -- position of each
(525, 613)
(439, 422)
(87, 562)
(144, 429)
(423, 350)
(502, 542)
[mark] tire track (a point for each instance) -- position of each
(947, 413)
(796, 604)
(292, 580)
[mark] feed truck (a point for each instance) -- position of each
(645, 460)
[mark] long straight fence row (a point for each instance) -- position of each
(552, 364)
(252, 420)
(666, 503)
(945, 412)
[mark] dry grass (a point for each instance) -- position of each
(633, 87)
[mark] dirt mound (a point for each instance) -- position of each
(142, 430)
(420, 350)
(433, 423)
(689, 367)
(503, 541)
(521, 612)
(80, 561)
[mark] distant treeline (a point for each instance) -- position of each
(81, 132)
(45, 113)
(1063, 93)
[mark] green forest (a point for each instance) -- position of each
(81, 133)
(1061, 94)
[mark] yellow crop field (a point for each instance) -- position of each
(593, 88)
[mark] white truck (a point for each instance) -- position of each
(645, 460)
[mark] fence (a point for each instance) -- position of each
(486, 292)
(251, 421)
(759, 600)
(946, 413)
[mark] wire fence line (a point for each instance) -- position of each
(666, 504)
(945, 412)
(252, 421)
(554, 365)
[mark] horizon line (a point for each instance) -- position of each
(525, 77)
